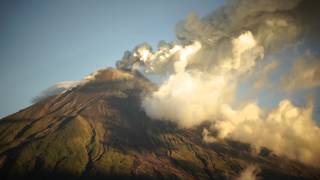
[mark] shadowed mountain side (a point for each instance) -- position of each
(99, 130)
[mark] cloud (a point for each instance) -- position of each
(55, 89)
(250, 173)
(270, 21)
(187, 98)
(207, 137)
(105, 74)
(287, 130)
(227, 36)
(263, 75)
(190, 97)
(305, 74)
(214, 54)
(169, 58)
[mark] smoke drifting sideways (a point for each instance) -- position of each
(103, 74)
(214, 54)
(57, 88)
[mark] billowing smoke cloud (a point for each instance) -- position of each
(287, 130)
(192, 96)
(250, 173)
(214, 54)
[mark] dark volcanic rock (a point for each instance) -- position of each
(99, 130)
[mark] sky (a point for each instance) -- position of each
(45, 42)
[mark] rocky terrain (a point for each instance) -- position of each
(98, 130)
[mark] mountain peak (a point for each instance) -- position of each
(110, 74)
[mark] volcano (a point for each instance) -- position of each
(98, 130)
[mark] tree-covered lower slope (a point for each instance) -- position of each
(98, 130)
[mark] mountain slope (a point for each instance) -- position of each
(98, 130)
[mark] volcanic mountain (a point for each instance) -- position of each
(98, 130)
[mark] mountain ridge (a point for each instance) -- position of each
(98, 130)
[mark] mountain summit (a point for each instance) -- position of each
(97, 129)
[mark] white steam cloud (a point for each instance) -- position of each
(250, 173)
(214, 54)
(287, 130)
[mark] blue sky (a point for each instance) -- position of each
(43, 42)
